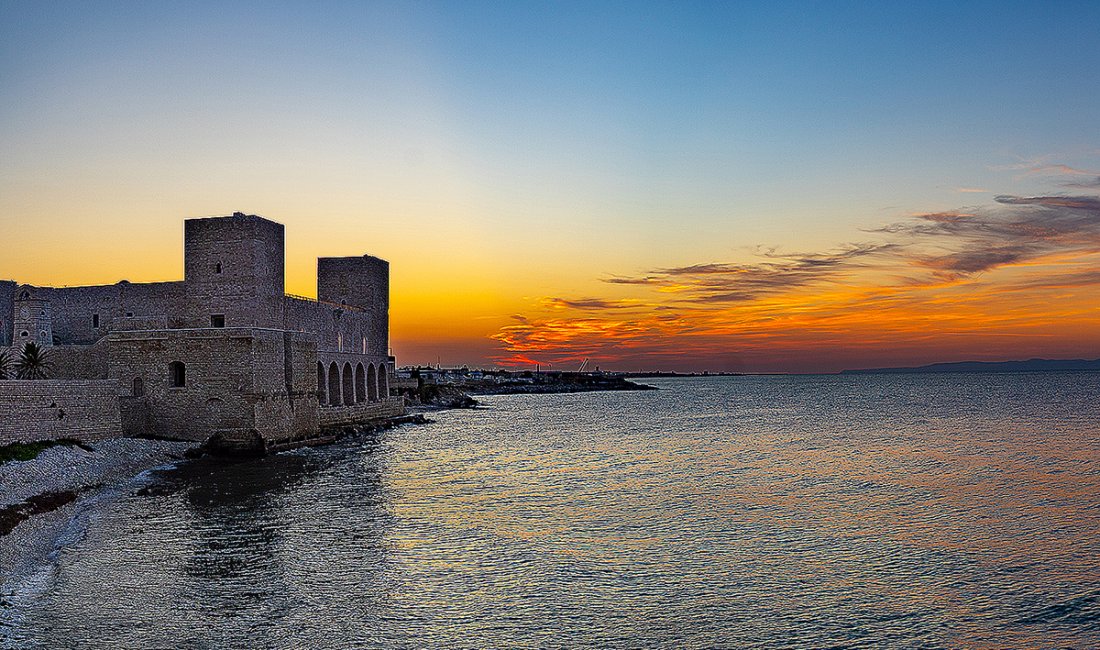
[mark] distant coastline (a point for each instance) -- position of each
(1030, 365)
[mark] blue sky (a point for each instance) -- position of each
(618, 136)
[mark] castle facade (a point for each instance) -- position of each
(224, 354)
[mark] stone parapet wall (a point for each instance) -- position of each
(334, 416)
(338, 328)
(48, 409)
(83, 315)
(76, 361)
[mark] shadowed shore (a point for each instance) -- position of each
(459, 394)
(41, 495)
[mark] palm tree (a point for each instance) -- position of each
(5, 364)
(33, 363)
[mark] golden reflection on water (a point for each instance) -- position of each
(980, 491)
(903, 511)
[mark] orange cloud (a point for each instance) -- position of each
(1015, 278)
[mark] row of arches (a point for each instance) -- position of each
(344, 385)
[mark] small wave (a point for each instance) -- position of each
(1081, 610)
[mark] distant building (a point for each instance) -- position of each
(224, 353)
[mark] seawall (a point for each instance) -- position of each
(45, 409)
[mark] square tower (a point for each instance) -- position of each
(362, 282)
(234, 270)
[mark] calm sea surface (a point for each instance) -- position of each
(813, 511)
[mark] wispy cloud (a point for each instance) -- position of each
(589, 303)
(1017, 230)
(1088, 184)
(1058, 170)
(921, 277)
(628, 280)
(718, 282)
(1066, 175)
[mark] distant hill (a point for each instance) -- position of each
(1031, 365)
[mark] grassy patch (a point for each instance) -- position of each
(30, 450)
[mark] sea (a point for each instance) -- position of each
(832, 511)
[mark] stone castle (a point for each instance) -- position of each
(224, 355)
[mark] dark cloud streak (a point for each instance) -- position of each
(589, 303)
(951, 245)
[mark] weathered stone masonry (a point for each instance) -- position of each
(225, 353)
(51, 409)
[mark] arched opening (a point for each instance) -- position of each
(322, 385)
(360, 384)
(177, 374)
(383, 383)
(372, 383)
(138, 387)
(333, 385)
(349, 386)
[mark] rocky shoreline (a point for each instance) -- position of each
(430, 396)
(40, 496)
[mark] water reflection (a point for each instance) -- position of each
(237, 515)
(742, 512)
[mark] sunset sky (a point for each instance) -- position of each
(793, 187)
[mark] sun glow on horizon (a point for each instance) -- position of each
(742, 187)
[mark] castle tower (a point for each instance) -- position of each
(234, 271)
(31, 321)
(362, 282)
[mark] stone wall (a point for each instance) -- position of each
(50, 409)
(361, 413)
(299, 355)
(339, 328)
(83, 315)
(230, 380)
(77, 361)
